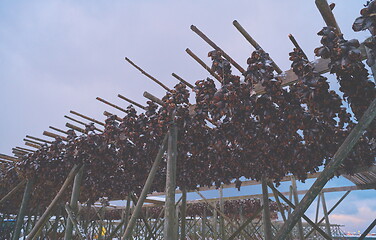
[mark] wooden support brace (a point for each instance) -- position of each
(296, 44)
(13, 191)
(326, 236)
(32, 145)
(266, 211)
(73, 220)
(33, 142)
(6, 157)
(108, 114)
(369, 228)
(329, 170)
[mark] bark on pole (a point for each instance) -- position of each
(145, 190)
(183, 214)
(170, 215)
(329, 170)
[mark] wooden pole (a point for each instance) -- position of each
(183, 216)
(318, 229)
(33, 142)
(296, 44)
(53, 135)
(153, 98)
(54, 202)
(148, 75)
(329, 170)
(108, 114)
(128, 231)
(266, 211)
(72, 218)
(182, 80)
(365, 233)
(6, 157)
(242, 227)
(24, 206)
(58, 130)
(330, 211)
(32, 145)
(170, 221)
(326, 215)
(207, 68)
(215, 46)
(13, 191)
(327, 14)
(132, 102)
(221, 218)
(87, 118)
(38, 139)
(25, 149)
(296, 202)
(74, 203)
(111, 104)
(254, 43)
(74, 127)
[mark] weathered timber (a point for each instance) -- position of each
(76, 128)
(266, 211)
(38, 139)
(13, 191)
(58, 130)
(54, 135)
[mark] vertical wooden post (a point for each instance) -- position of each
(317, 212)
(170, 222)
(24, 206)
(326, 215)
(73, 203)
(183, 214)
(42, 220)
(128, 231)
(329, 170)
(266, 211)
(296, 202)
(221, 218)
(127, 211)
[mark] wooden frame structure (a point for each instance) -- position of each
(135, 225)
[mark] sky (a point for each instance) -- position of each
(57, 56)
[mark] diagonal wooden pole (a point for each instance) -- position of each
(370, 227)
(24, 206)
(329, 212)
(13, 191)
(74, 203)
(42, 220)
(145, 190)
(329, 170)
(326, 236)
